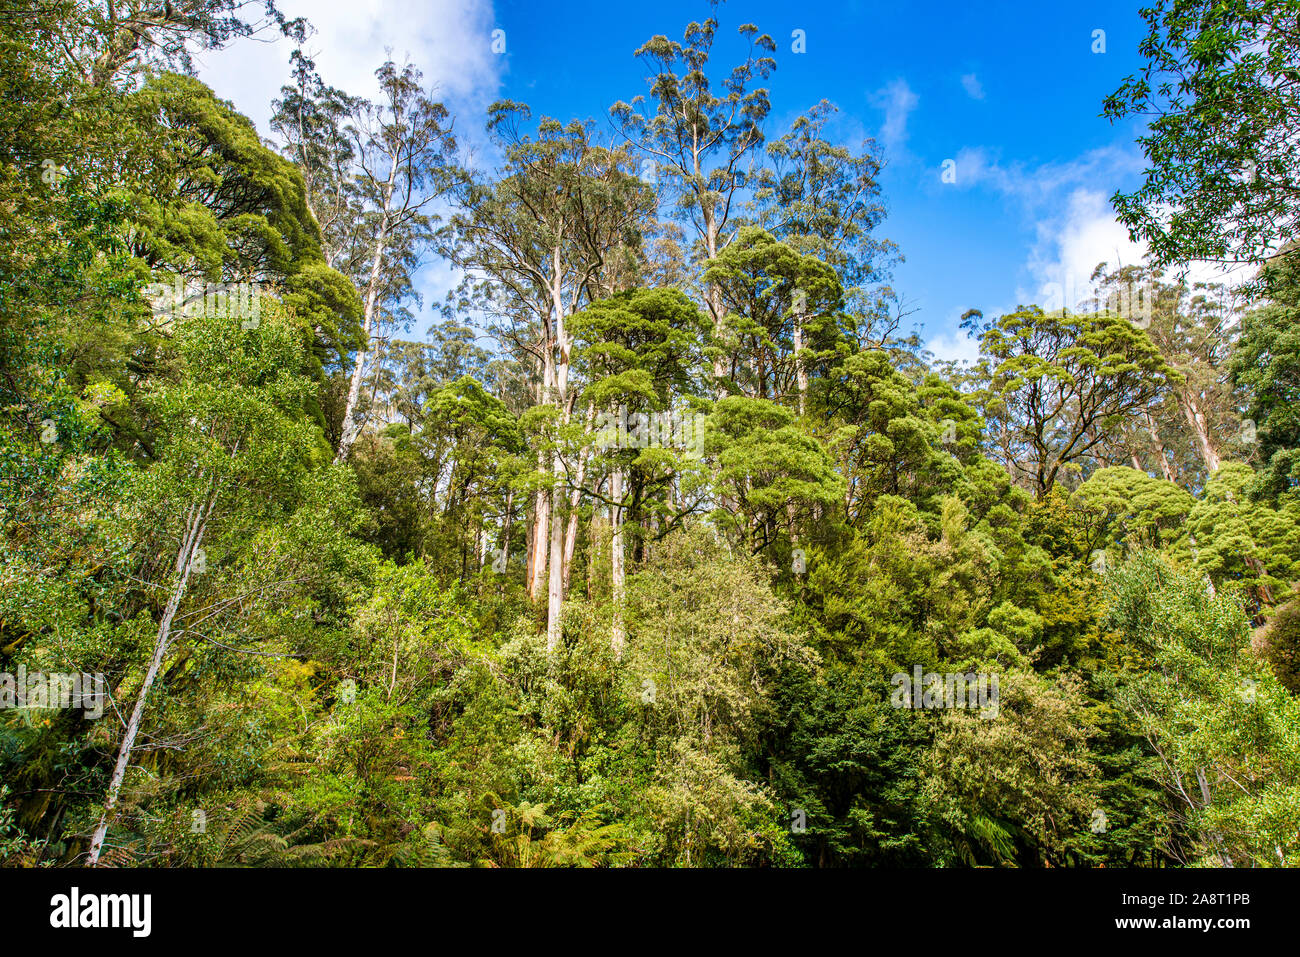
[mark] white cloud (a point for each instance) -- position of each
(1071, 246)
(971, 84)
(953, 346)
(448, 40)
(1044, 185)
(898, 101)
(1074, 224)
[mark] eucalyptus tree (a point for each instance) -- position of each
(1058, 382)
(403, 147)
(824, 200)
(544, 238)
(783, 309)
(698, 141)
(640, 354)
(1195, 329)
(772, 476)
(311, 120)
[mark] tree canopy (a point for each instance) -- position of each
(661, 545)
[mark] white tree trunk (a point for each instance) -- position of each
(575, 499)
(618, 575)
(555, 590)
(184, 565)
(1158, 448)
(540, 537)
(1200, 429)
(800, 370)
(351, 425)
(714, 295)
(564, 346)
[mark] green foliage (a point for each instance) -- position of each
(1017, 785)
(1057, 383)
(775, 470)
(1267, 363)
(1223, 726)
(1283, 638)
(1125, 505)
(1238, 539)
(1218, 87)
(493, 634)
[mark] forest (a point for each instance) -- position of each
(662, 541)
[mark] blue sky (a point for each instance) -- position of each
(1011, 92)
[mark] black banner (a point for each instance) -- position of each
(338, 907)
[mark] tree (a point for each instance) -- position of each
(1224, 729)
(706, 644)
(1235, 538)
(233, 450)
(118, 39)
(886, 442)
(824, 200)
(699, 140)
(1133, 507)
(1266, 362)
(771, 476)
(1057, 383)
(312, 121)
(1195, 331)
(402, 148)
(545, 237)
(1024, 779)
(1220, 82)
(209, 203)
(749, 505)
(639, 351)
(782, 315)
(474, 438)
(1283, 648)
